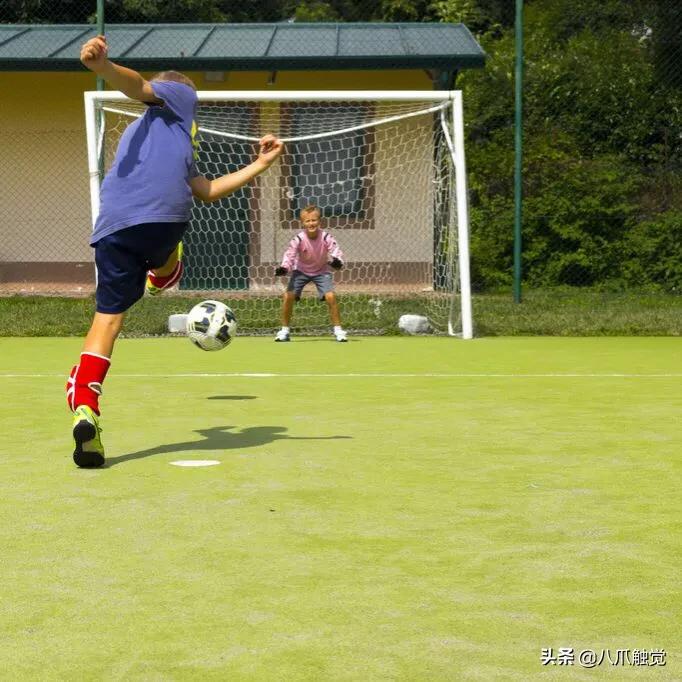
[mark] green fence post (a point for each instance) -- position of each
(100, 31)
(518, 150)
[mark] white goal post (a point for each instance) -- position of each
(387, 169)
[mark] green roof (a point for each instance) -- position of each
(242, 47)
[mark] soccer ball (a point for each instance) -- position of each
(211, 325)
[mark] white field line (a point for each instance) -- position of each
(357, 375)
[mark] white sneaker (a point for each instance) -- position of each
(341, 335)
(282, 335)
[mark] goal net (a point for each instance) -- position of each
(386, 170)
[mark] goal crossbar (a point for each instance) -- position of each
(299, 95)
(301, 138)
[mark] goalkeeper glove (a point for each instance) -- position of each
(281, 270)
(336, 264)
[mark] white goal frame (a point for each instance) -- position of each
(456, 148)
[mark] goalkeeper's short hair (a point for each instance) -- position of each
(310, 208)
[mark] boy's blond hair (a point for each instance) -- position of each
(310, 208)
(175, 76)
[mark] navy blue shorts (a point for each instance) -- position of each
(123, 259)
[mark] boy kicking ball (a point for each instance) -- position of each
(145, 204)
(309, 256)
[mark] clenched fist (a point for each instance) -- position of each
(94, 53)
(270, 148)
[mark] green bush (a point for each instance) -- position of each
(602, 153)
(654, 253)
(577, 215)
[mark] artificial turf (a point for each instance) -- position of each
(390, 508)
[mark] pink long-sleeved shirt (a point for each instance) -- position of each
(311, 256)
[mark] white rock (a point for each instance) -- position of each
(177, 323)
(414, 324)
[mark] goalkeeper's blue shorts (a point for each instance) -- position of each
(299, 279)
(124, 258)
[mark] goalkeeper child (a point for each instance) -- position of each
(145, 204)
(308, 258)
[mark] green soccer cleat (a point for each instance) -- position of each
(89, 451)
(155, 284)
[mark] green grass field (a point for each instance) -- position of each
(387, 509)
(553, 312)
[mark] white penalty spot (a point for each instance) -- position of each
(195, 462)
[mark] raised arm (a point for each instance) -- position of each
(129, 82)
(212, 190)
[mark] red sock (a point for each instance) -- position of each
(84, 385)
(167, 281)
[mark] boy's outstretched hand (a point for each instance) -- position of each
(94, 53)
(270, 149)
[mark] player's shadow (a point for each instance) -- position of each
(231, 397)
(219, 439)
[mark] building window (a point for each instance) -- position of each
(335, 173)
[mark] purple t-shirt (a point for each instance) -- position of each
(149, 179)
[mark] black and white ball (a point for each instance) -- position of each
(211, 325)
